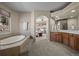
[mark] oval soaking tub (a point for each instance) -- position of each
(11, 40)
(15, 45)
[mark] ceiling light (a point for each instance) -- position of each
(57, 17)
(71, 16)
(73, 10)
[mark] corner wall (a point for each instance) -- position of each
(24, 18)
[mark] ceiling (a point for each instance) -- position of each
(39, 6)
(71, 12)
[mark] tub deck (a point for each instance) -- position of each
(17, 48)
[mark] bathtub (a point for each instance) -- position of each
(13, 41)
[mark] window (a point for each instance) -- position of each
(4, 21)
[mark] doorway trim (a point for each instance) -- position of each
(48, 28)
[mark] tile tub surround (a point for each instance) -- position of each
(16, 48)
(10, 51)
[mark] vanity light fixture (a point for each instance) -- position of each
(73, 11)
(57, 17)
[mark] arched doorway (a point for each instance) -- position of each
(41, 27)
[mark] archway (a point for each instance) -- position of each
(41, 27)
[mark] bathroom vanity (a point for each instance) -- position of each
(56, 36)
(69, 38)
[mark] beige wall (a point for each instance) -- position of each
(32, 27)
(52, 25)
(24, 18)
(78, 22)
(14, 21)
(72, 24)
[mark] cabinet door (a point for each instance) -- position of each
(77, 42)
(59, 37)
(65, 38)
(72, 41)
(52, 36)
(56, 36)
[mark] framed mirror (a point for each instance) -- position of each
(4, 21)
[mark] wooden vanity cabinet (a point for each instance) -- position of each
(52, 36)
(65, 38)
(69, 39)
(72, 41)
(59, 37)
(76, 42)
(56, 36)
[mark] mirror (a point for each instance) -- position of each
(69, 20)
(4, 21)
(68, 24)
(63, 25)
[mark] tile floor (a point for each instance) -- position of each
(44, 47)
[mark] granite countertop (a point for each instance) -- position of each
(68, 31)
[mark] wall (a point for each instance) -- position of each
(72, 24)
(78, 22)
(24, 18)
(14, 21)
(32, 27)
(52, 25)
(31, 17)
